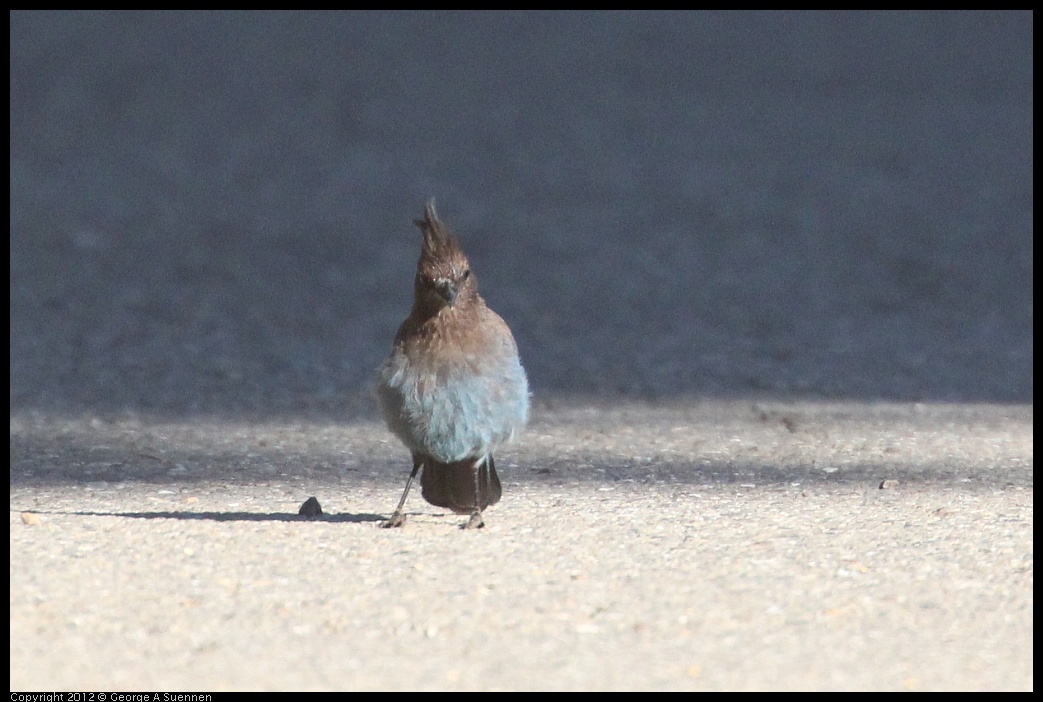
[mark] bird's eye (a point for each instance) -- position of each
(467, 274)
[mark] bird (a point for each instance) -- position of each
(453, 389)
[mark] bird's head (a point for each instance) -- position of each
(443, 275)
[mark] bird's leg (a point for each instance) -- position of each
(398, 518)
(476, 521)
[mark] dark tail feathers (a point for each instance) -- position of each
(451, 485)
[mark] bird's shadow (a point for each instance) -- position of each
(226, 516)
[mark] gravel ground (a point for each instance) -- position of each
(770, 275)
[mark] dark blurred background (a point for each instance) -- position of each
(211, 213)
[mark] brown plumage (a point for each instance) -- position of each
(453, 389)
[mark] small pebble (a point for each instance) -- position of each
(310, 508)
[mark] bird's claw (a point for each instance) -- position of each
(475, 522)
(397, 520)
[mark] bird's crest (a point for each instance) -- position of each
(441, 255)
(438, 240)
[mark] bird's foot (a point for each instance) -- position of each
(475, 522)
(397, 520)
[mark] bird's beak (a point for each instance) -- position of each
(447, 291)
